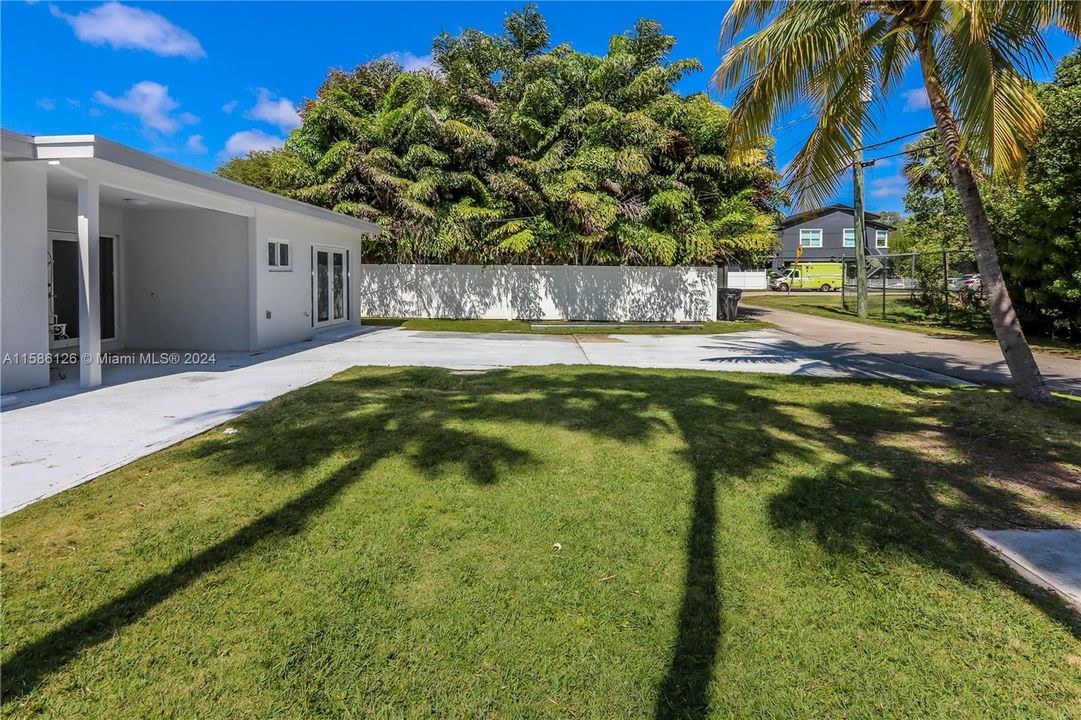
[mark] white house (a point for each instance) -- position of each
(104, 247)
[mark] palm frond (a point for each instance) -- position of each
(978, 55)
(772, 70)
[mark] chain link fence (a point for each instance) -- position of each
(940, 287)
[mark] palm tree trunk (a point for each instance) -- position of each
(1028, 382)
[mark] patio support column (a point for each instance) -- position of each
(89, 284)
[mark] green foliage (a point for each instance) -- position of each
(1041, 225)
(1037, 226)
(257, 168)
(511, 151)
(935, 220)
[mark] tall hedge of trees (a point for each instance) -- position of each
(509, 150)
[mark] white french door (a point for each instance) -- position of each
(330, 285)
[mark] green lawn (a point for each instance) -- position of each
(541, 328)
(381, 545)
(901, 314)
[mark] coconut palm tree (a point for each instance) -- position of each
(975, 56)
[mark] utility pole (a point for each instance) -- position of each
(857, 213)
(861, 235)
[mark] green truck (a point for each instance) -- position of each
(824, 276)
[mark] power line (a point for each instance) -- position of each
(791, 123)
(872, 146)
(878, 144)
(913, 151)
(869, 163)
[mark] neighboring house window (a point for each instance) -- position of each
(849, 239)
(811, 238)
(278, 257)
(881, 239)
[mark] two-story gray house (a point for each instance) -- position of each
(828, 234)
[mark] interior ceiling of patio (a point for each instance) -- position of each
(62, 186)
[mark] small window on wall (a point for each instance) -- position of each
(881, 239)
(811, 237)
(849, 239)
(278, 257)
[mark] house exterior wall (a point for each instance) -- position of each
(186, 280)
(24, 294)
(832, 224)
(536, 292)
(282, 300)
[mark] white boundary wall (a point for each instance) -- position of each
(540, 292)
(748, 279)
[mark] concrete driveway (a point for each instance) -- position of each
(58, 437)
(972, 360)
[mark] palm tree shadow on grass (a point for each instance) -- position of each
(887, 496)
(351, 422)
(420, 413)
(685, 688)
(322, 430)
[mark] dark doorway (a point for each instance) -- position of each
(64, 287)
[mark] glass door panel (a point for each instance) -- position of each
(338, 283)
(330, 286)
(107, 290)
(322, 286)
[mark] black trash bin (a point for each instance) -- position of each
(728, 303)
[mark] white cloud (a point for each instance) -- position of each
(150, 102)
(72, 102)
(915, 100)
(245, 141)
(195, 144)
(229, 107)
(890, 186)
(94, 112)
(46, 104)
(130, 28)
(270, 108)
(409, 61)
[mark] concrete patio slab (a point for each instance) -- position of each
(1049, 558)
(58, 437)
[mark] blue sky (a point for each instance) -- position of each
(199, 81)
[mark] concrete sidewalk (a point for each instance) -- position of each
(1048, 558)
(58, 437)
(970, 360)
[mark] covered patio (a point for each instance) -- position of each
(133, 261)
(107, 248)
(139, 271)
